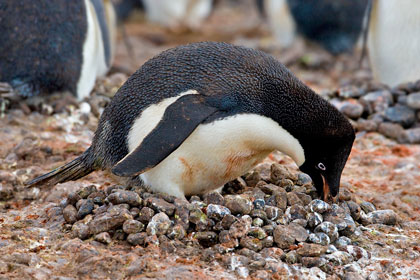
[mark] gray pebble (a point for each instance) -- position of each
(328, 228)
(81, 230)
(367, 207)
(145, 215)
(283, 237)
(272, 212)
(354, 209)
(137, 238)
(159, 224)
(257, 232)
(251, 243)
(292, 257)
(387, 217)
(160, 205)
(238, 204)
(86, 191)
(400, 114)
(176, 232)
(314, 219)
(132, 226)
(85, 208)
(411, 136)
(319, 206)
(112, 219)
(258, 222)
(103, 237)
(128, 197)
(413, 100)
(70, 214)
(342, 241)
(213, 198)
(217, 212)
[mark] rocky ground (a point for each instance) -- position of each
(267, 224)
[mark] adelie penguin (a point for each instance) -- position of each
(48, 46)
(197, 116)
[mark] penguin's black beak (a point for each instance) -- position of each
(327, 192)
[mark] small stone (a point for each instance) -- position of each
(298, 232)
(145, 215)
(227, 221)
(128, 197)
(367, 125)
(391, 130)
(137, 238)
(269, 188)
(351, 226)
(268, 242)
(337, 221)
(238, 204)
(251, 243)
(177, 232)
(279, 172)
(376, 101)
(313, 261)
(85, 208)
(272, 212)
(311, 250)
(328, 228)
(413, 100)
(269, 229)
(98, 197)
(314, 219)
(303, 179)
(257, 233)
(257, 222)
(6, 192)
(400, 114)
(227, 240)
(160, 205)
(103, 237)
(386, 217)
(69, 214)
(300, 222)
(351, 108)
(356, 252)
(354, 209)
(293, 199)
(410, 136)
(297, 212)
(217, 212)
(339, 258)
(114, 218)
(258, 213)
(367, 207)
(349, 92)
(283, 237)
(344, 194)
(213, 198)
(198, 217)
(206, 237)
(132, 226)
(342, 241)
(259, 204)
(324, 239)
(306, 199)
(80, 230)
(292, 257)
(86, 191)
(240, 228)
(319, 206)
(159, 224)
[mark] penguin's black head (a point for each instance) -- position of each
(325, 159)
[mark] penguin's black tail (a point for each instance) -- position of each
(75, 169)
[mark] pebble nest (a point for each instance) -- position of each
(268, 220)
(393, 112)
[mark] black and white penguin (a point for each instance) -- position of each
(197, 116)
(48, 46)
(394, 41)
(335, 25)
(179, 13)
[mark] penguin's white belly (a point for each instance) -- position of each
(394, 41)
(218, 152)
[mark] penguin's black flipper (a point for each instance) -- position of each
(178, 122)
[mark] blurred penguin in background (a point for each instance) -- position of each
(178, 13)
(124, 8)
(334, 24)
(394, 41)
(279, 19)
(48, 46)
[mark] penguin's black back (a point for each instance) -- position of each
(238, 77)
(335, 24)
(41, 43)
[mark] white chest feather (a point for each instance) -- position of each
(394, 41)
(214, 153)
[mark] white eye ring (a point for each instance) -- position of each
(321, 166)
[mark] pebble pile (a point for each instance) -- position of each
(268, 220)
(393, 112)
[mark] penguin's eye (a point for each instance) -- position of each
(321, 166)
